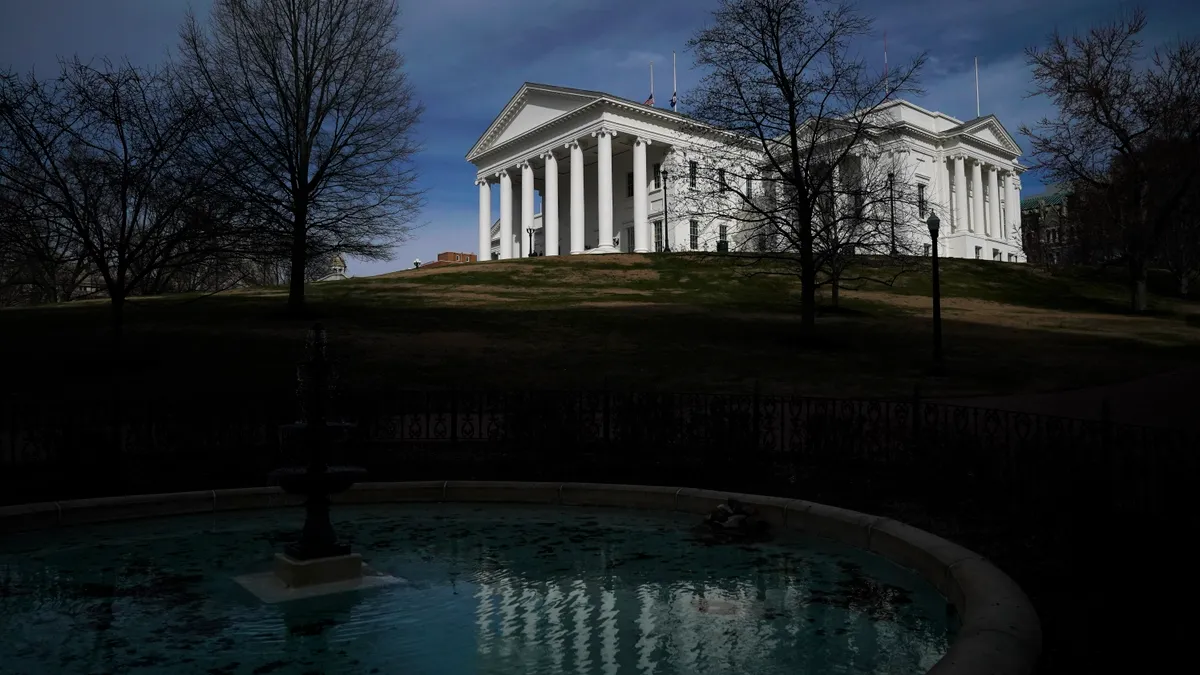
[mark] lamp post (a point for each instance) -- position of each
(934, 228)
(529, 231)
(892, 202)
(666, 215)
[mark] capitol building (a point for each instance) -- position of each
(598, 165)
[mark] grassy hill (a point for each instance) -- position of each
(678, 323)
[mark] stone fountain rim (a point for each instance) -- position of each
(1000, 632)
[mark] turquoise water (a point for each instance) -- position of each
(488, 589)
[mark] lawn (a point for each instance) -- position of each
(664, 322)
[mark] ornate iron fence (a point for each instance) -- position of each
(853, 451)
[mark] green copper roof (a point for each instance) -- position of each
(1053, 195)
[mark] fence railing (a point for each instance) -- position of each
(854, 451)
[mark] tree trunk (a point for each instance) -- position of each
(1137, 284)
(808, 290)
(299, 259)
(808, 276)
(112, 471)
(833, 288)
(117, 308)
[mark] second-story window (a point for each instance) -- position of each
(657, 176)
(629, 184)
(693, 169)
(921, 200)
(721, 180)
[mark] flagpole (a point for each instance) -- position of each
(977, 86)
(674, 86)
(651, 79)
(887, 80)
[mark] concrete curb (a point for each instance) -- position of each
(1000, 634)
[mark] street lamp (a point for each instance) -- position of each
(666, 215)
(892, 202)
(529, 231)
(934, 227)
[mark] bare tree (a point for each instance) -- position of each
(40, 262)
(1112, 107)
(781, 76)
(103, 159)
(313, 97)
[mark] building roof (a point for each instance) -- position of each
(1052, 195)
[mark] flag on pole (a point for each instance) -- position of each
(650, 101)
(674, 86)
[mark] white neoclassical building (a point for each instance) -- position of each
(583, 172)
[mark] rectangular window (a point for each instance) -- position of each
(694, 234)
(749, 186)
(629, 184)
(658, 233)
(978, 252)
(721, 180)
(928, 249)
(657, 176)
(1012, 257)
(921, 200)
(724, 233)
(996, 254)
(693, 169)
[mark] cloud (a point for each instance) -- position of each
(641, 59)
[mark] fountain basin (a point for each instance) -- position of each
(999, 632)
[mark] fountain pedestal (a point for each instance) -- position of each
(316, 564)
(300, 573)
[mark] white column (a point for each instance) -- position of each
(976, 200)
(604, 188)
(641, 226)
(576, 196)
(1014, 207)
(993, 202)
(942, 178)
(550, 205)
(526, 207)
(960, 193)
(485, 219)
(506, 215)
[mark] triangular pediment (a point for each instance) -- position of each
(531, 107)
(989, 130)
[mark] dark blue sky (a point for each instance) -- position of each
(468, 57)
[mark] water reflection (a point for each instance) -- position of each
(495, 591)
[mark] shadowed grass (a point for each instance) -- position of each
(660, 322)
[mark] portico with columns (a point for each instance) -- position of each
(969, 175)
(593, 163)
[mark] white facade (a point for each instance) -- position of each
(596, 161)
